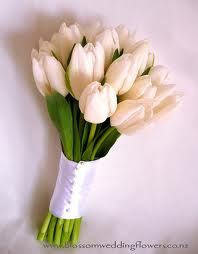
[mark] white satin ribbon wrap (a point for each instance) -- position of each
(72, 186)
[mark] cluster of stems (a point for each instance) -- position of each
(60, 231)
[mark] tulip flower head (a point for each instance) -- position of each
(110, 41)
(98, 102)
(86, 66)
(126, 38)
(123, 71)
(64, 41)
(49, 74)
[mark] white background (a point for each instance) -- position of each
(147, 187)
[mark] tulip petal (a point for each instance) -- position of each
(110, 42)
(55, 74)
(138, 88)
(123, 71)
(134, 128)
(158, 75)
(149, 93)
(127, 113)
(40, 77)
(80, 70)
(92, 30)
(167, 105)
(163, 91)
(125, 37)
(65, 40)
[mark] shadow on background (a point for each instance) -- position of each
(19, 44)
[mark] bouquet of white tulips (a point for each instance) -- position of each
(98, 83)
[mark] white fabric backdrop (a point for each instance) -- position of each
(147, 187)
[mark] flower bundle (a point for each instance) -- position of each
(98, 83)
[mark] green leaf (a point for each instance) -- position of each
(88, 152)
(146, 72)
(115, 55)
(67, 81)
(121, 52)
(85, 135)
(84, 41)
(61, 115)
(81, 125)
(54, 55)
(103, 81)
(102, 128)
(106, 141)
(77, 142)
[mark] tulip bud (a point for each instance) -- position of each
(132, 48)
(86, 65)
(126, 38)
(40, 77)
(55, 74)
(158, 75)
(49, 75)
(123, 71)
(65, 39)
(133, 115)
(46, 47)
(98, 102)
(92, 30)
(110, 42)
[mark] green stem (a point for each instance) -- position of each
(44, 227)
(66, 225)
(101, 140)
(71, 224)
(92, 133)
(50, 236)
(58, 232)
(63, 239)
(65, 231)
(76, 231)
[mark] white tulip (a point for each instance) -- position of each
(126, 38)
(40, 77)
(55, 74)
(132, 115)
(133, 47)
(158, 75)
(124, 70)
(64, 41)
(110, 42)
(148, 87)
(46, 47)
(92, 30)
(49, 75)
(98, 102)
(86, 65)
